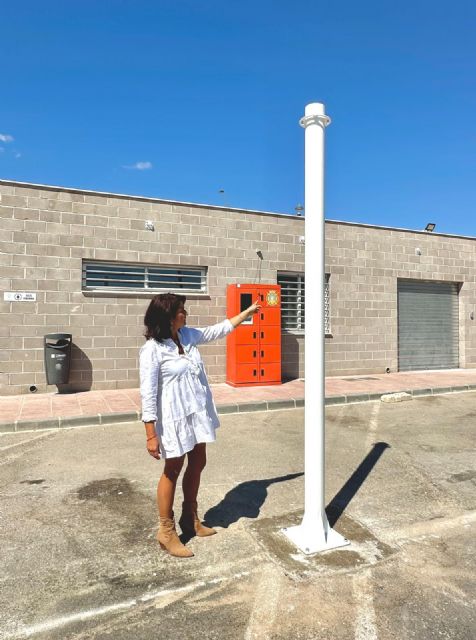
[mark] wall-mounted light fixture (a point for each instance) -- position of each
(149, 225)
(430, 226)
(299, 209)
(260, 256)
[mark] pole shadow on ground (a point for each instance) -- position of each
(246, 499)
(342, 498)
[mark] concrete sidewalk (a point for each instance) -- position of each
(54, 410)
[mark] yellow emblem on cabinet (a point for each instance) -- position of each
(272, 298)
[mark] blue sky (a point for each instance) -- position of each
(207, 96)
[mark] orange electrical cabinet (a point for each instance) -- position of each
(254, 347)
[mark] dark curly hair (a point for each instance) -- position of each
(160, 313)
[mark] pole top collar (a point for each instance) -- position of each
(314, 113)
(315, 118)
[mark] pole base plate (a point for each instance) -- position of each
(312, 539)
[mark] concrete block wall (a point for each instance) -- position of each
(365, 263)
(45, 234)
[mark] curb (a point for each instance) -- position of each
(67, 423)
(134, 416)
(222, 409)
(368, 397)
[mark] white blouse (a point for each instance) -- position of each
(175, 391)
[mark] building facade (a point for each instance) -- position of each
(400, 300)
(93, 260)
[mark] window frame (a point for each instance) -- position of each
(300, 281)
(299, 276)
(117, 291)
(327, 306)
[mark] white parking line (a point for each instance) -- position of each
(18, 444)
(373, 424)
(266, 600)
(364, 627)
(81, 616)
(438, 526)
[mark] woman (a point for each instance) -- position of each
(178, 410)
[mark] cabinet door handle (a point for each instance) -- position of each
(262, 316)
(261, 297)
(262, 334)
(262, 354)
(254, 372)
(262, 372)
(254, 354)
(254, 334)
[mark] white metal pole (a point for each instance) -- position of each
(314, 533)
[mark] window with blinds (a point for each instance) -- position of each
(327, 306)
(115, 276)
(293, 302)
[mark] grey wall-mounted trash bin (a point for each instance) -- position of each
(57, 348)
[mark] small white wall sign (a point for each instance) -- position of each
(19, 296)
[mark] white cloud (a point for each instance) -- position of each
(141, 166)
(4, 137)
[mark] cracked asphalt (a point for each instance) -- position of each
(79, 557)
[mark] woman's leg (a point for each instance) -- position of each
(167, 535)
(189, 521)
(197, 459)
(167, 484)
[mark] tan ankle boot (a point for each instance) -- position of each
(190, 523)
(169, 540)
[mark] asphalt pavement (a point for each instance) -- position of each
(80, 560)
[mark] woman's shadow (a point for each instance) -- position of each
(243, 501)
(246, 499)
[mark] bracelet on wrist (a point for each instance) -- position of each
(151, 438)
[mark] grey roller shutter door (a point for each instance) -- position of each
(428, 321)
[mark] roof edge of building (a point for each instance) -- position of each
(402, 229)
(108, 194)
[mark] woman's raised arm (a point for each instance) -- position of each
(221, 329)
